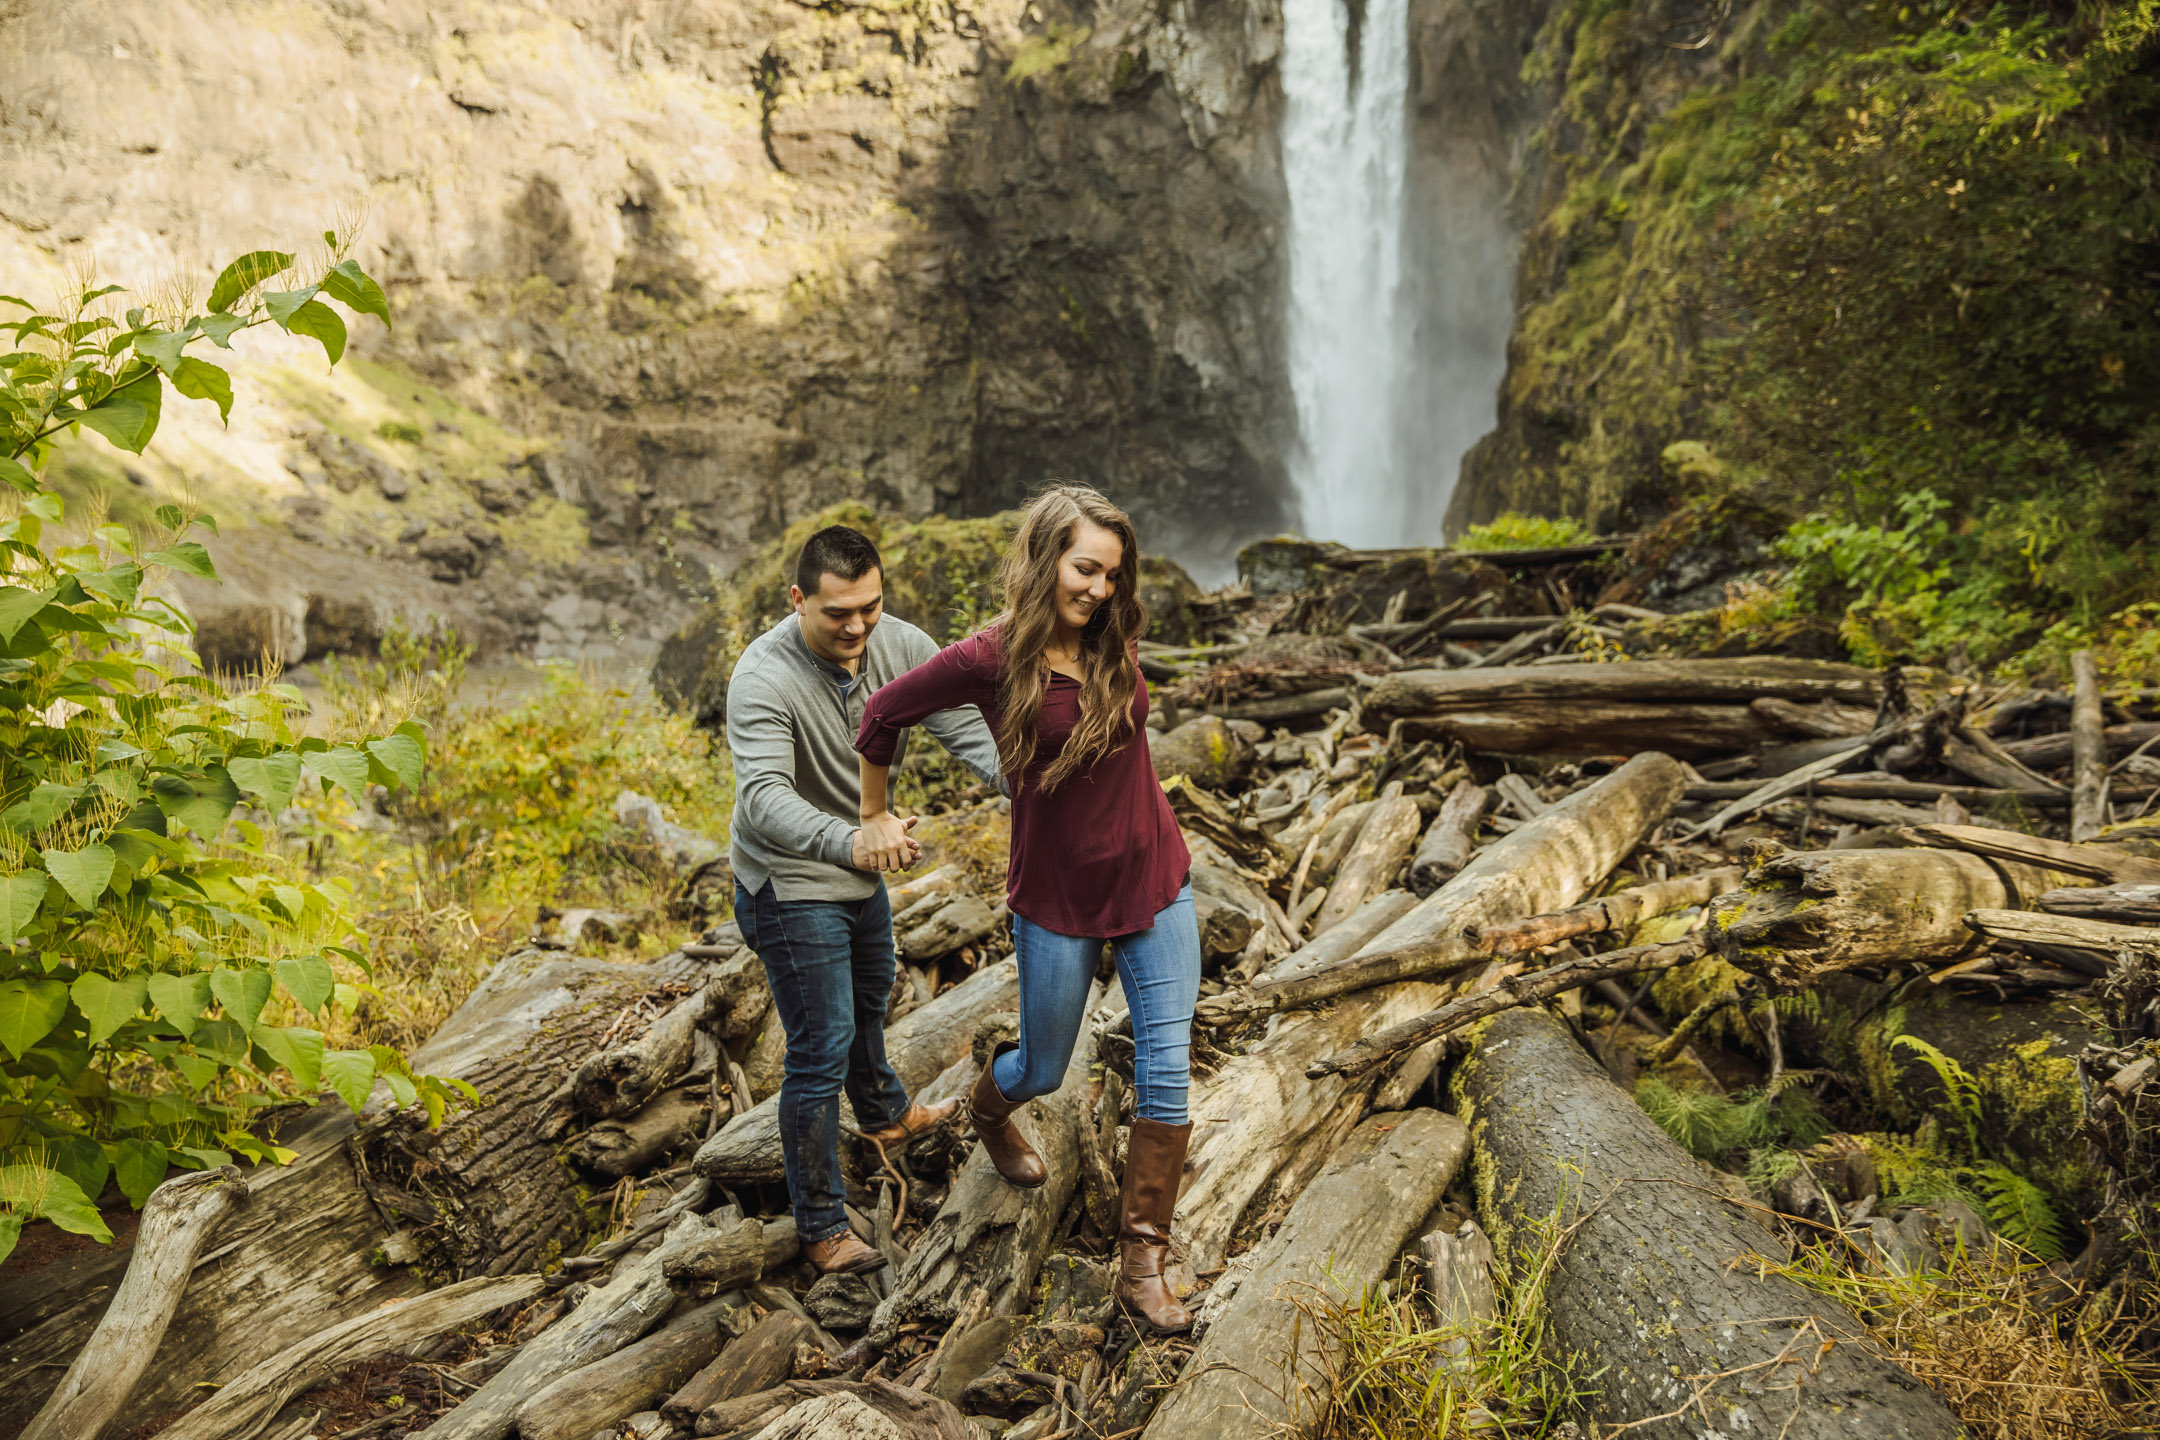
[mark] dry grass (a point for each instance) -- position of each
(2008, 1367)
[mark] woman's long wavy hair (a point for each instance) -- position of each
(1029, 579)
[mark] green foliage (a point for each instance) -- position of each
(1048, 51)
(1715, 1127)
(403, 430)
(164, 972)
(1960, 1088)
(1516, 531)
(2020, 1209)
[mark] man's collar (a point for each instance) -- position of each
(838, 674)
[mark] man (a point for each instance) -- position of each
(805, 892)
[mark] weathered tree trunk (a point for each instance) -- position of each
(2128, 904)
(2047, 752)
(1801, 916)
(1652, 1286)
(1377, 1049)
(243, 1407)
(2100, 863)
(965, 920)
(867, 1410)
(1461, 1278)
(302, 1254)
(179, 1217)
(636, 1377)
(1825, 720)
(942, 881)
(1451, 839)
(1335, 839)
(1583, 728)
(671, 1121)
(488, 1191)
(756, 1362)
(2029, 927)
(1383, 842)
(2088, 751)
(920, 1045)
(610, 1317)
(1664, 682)
(727, 1257)
(1974, 754)
(1228, 915)
(991, 1235)
(1339, 1238)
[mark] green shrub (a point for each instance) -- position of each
(1516, 531)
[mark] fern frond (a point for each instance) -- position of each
(1705, 1124)
(1960, 1086)
(2020, 1210)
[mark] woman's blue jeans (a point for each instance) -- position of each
(1160, 969)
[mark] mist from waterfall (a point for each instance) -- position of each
(1345, 138)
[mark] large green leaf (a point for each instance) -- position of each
(83, 873)
(244, 274)
(40, 808)
(107, 1003)
(20, 896)
(201, 380)
(270, 778)
(298, 1050)
(11, 1223)
(28, 1011)
(343, 767)
(50, 1195)
(13, 473)
(402, 756)
(181, 999)
(162, 348)
(140, 1168)
(18, 606)
(308, 979)
(243, 993)
(351, 287)
(82, 1160)
(221, 1040)
(201, 805)
(352, 1074)
(129, 416)
(319, 322)
(187, 555)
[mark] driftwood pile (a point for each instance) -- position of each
(1437, 839)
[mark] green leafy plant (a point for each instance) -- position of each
(164, 972)
(2014, 1205)
(1714, 1126)
(1516, 531)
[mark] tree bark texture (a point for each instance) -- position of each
(179, 1217)
(1382, 844)
(302, 1254)
(488, 1191)
(1803, 915)
(2088, 750)
(2127, 904)
(1585, 728)
(1261, 1357)
(963, 921)
(920, 1045)
(1450, 839)
(2050, 752)
(989, 1234)
(243, 1407)
(636, 1377)
(1227, 913)
(2101, 863)
(672, 1121)
(2032, 927)
(757, 1360)
(1653, 1284)
(1669, 682)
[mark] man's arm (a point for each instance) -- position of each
(761, 737)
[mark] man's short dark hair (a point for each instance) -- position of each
(835, 550)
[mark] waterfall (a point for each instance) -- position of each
(1345, 135)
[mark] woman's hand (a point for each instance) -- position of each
(883, 843)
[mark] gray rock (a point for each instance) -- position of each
(841, 1302)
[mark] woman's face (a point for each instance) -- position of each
(1087, 573)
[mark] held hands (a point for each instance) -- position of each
(883, 843)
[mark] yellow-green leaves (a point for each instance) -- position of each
(20, 896)
(201, 803)
(244, 274)
(201, 380)
(344, 767)
(49, 1195)
(308, 979)
(353, 288)
(402, 755)
(107, 1004)
(83, 873)
(129, 415)
(19, 606)
(243, 993)
(188, 555)
(269, 778)
(351, 1073)
(140, 1167)
(28, 1011)
(181, 999)
(298, 1050)
(298, 312)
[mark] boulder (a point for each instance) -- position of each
(1205, 749)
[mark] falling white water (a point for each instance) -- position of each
(1345, 135)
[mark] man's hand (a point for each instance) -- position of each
(883, 843)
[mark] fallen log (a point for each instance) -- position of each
(304, 1252)
(729, 1255)
(671, 1121)
(942, 881)
(1450, 839)
(2031, 927)
(610, 1317)
(178, 1218)
(989, 1234)
(965, 920)
(1285, 709)
(1587, 728)
(2094, 862)
(1802, 915)
(1858, 787)
(1790, 783)
(1262, 1352)
(1383, 843)
(2088, 750)
(1973, 753)
(2129, 904)
(618, 1080)
(1227, 914)
(636, 1377)
(1564, 852)
(1665, 682)
(1505, 994)
(1649, 1275)
(760, 1359)
(1461, 1277)
(869, 1410)
(244, 1406)
(2049, 752)
(1824, 720)
(920, 1046)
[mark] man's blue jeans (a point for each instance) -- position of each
(1160, 968)
(830, 965)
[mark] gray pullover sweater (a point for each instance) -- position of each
(791, 723)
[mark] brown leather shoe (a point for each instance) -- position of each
(843, 1254)
(991, 1114)
(1154, 1161)
(919, 1120)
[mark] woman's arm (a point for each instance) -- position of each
(883, 840)
(955, 676)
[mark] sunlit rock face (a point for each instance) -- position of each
(666, 276)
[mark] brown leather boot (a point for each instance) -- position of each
(918, 1121)
(1154, 1161)
(843, 1254)
(991, 1113)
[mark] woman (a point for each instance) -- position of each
(1096, 853)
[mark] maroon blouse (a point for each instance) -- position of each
(1096, 857)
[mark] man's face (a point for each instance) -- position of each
(838, 617)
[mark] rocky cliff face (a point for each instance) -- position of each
(668, 275)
